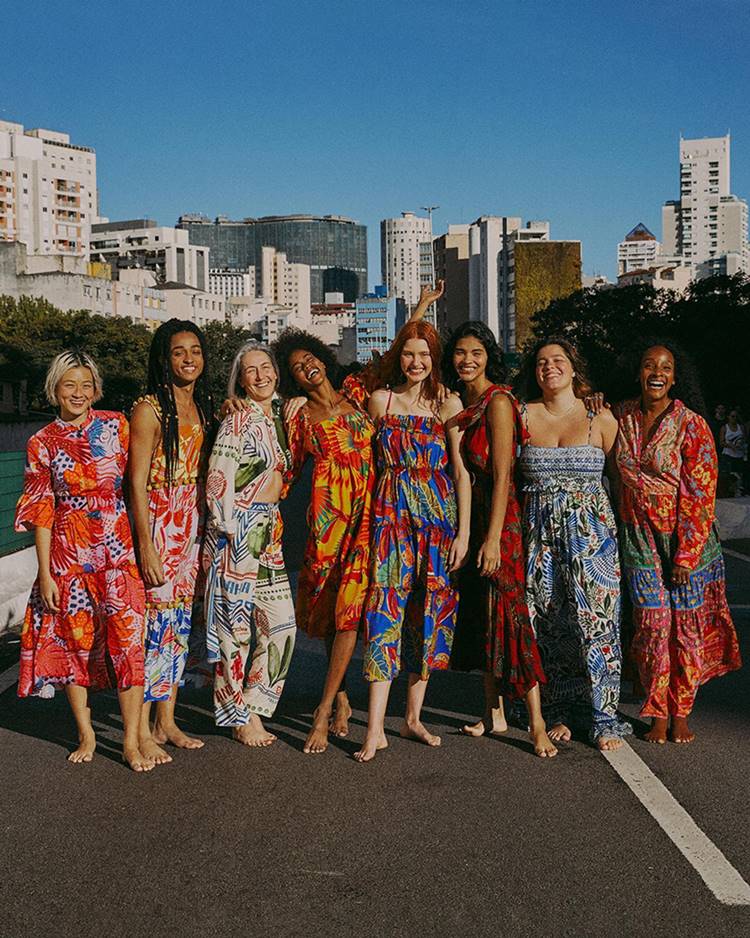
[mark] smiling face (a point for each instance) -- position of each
(657, 374)
(185, 358)
(308, 371)
(469, 358)
(416, 360)
(258, 376)
(75, 393)
(554, 370)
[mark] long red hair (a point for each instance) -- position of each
(389, 369)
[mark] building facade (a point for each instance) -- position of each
(48, 197)
(333, 247)
(451, 253)
(487, 235)
(223, 281)
(375, 323)
(142, 244)
(637, 251)
(403, 262)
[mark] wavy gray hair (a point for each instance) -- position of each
(70, 358)
(234, 388)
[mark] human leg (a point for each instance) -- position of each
(493, 721)
(78, 698)
(412, 727)
(131, 705)
(342, 649)
(543, 745)
(375, 738)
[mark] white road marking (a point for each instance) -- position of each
(741, 606)
(8, 678)
(735, 553)
(703, 855)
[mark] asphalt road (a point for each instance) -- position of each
(478, 837)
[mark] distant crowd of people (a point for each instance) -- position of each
(453, 522)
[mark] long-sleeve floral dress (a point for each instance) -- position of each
(684, 635)
(73, 485)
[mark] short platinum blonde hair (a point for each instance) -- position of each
(70, 358)
(234, 388)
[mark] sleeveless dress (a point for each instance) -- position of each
(573, 585)
(176, 512)
(333, 582)
(411, 605)
(493, 632)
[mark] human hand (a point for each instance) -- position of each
(233, 405)
(49, 593)
(680, 575)
(457, 556)
(488, 558)
(429, 294)
(152, 570)
(292, 407)
(595, 402)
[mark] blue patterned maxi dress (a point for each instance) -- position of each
(573, 586)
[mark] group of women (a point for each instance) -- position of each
(442, 506)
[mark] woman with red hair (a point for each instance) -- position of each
(420, 531)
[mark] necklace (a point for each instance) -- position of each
(564, 413)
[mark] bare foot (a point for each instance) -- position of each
(608, 743)
(680, 731)
(339, 724)
(543, 746)
(658, 731)
(135, 759)
(317, 738)
(559, 733)
(418, 731)
(85, 751)
(371, 746)
(253, 733)
(493, 723)
(153, 753)
(172, 734)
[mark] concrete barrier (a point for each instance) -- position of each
(17, 574)
(733, 518)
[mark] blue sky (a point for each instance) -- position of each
(563, 110)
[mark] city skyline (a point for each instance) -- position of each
(570, 114)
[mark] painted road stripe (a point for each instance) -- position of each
(703, 855)
(8, 678)
(735, 553)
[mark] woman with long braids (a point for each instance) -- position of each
(493, 631)
(674, 568)
(333, 428)
(171, 430)
(572, 565)
(420, 531)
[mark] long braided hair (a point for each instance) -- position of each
(159, 384)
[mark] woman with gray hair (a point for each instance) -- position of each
(247, 587)
(86, 610)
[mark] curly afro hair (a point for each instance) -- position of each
(687, 385)
(495, 370)
(293, 340)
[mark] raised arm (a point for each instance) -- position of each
(427, 296)
(144, 435)
(450, 408)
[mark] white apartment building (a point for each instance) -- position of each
(676, 277)
(707, 223)
(486, 238)
(329, 319)
(142, 244)
(48, 197)
(637, 251)
(284, 283)
(401, 256)
(227, 282)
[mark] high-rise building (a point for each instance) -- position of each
(638, 250)
(402, 260)
(333, 247)
(228, 283)
(532, 272)
(451, 252)
(284, 283)
(375, 323)
(486, 238)
(48, 197)
(142, 244)
(707, 225)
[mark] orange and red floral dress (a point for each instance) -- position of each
(73, 485)
(684, 635)
(493, 632)
(333, 582)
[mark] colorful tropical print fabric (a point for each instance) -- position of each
(411, 605)
(494, 632)
(176, 516)
(684, 635)
(73, 485)
(333, 582)
(247, 588)
(573, 586)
